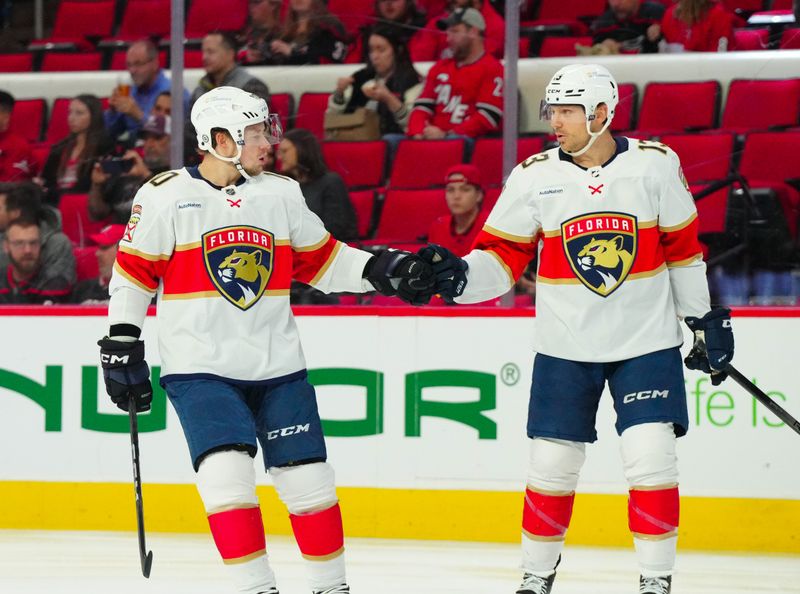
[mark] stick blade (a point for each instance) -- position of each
(147, 563)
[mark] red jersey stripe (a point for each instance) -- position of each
(514, 254)
(310, 263)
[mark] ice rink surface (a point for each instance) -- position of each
(108, 563)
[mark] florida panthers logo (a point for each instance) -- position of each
(601, 249)
(239, 262)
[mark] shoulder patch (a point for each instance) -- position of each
(537, 158)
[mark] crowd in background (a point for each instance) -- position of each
(112, 148)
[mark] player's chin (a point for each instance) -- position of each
(255, 169)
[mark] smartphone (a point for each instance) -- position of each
(116, 165)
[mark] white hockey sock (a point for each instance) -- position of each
(326, 573)
(656, 557)
(253, 576)
(540, 556)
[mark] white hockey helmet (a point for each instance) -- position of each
(232, 109)
(587, 85)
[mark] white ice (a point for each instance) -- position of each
(34, 562)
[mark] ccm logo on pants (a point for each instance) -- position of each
(644, 395)
(287, 431)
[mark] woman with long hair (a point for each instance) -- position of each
(697, 26)
(388, 84)
(69, 165)
(300, 157)
(311, 35)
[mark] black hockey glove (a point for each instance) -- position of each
(401, 273)
(713, 343)
(126, 372)
(450, 271)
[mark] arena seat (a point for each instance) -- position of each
(27, 118)
(311, 113)
(361, 164)
(625, 112)
(71, 61)
(555, 46)
(423, 163)
(77, 21)
(704, 157)
(353, 13)
(761, 104)
(679, 106)
(407, 215)
(75, 222)
(283, 105)
(205, 16)
(364, 204)
(557, 15)
(790, 39)
(488, 156)
(57, 124)
(16, 62)
(750, 39)
(86, 262)
(143, 19)
(41, 150)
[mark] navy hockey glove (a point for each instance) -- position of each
(713, 343)
(401, 273)
(450, 271)
(126, 372)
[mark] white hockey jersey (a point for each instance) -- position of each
(221, 261)
(618, 256)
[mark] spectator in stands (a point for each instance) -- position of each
(697, 26)
(263, 28)
(403, 15)
(463, 95)
(25, 200)
(219, 61)
(130, 105)
(163, 104)
(389, 83)
(95, 290)
(300, 157)
(25, 279)
(155, 135)
(628, 27)
(310, 35)
(464, 194)
(431, 44)
(16, 157)
(69, 165)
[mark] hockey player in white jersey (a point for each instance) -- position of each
(619, 264)
(219, 244)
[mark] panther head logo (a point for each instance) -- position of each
(244, 269)
(601, 249)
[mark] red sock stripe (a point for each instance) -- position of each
(547, 515)
(319, 534)
(653, 512)
(238, 532)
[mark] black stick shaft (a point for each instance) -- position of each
(759, 395)
(145, 557)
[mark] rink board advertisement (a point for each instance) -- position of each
(425, 420)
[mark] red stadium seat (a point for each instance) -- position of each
(41, 150)
(75, 222)
(57, 127)
(361, 164)
(790, 39)
(144, 18)
(283, 105)
(192, 58)
(490, 196)
(209, 15)
(750, 39)
(86, 262)
(488, 156)
(27, 118)
(761, 104)
(118, 59)
(77, 20)
(423, 163)
(71, 61)
(554, 46)
(781, 5)
(704, 157)
(353, 13)
(16, 63)
(311, 113)
(679, 107)
(557, 15)
(712, 211)
(407, 214)
(363, 203)
(769, 160)
(625, 112)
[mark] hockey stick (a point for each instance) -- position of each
(146, 557)
(756, 392)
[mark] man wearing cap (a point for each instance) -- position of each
(95, 290)
(429, 45)
(463, 95)
(155, 137)
(458, 230)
